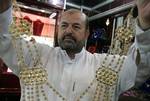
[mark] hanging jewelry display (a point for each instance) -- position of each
(34, 78)
(123, 36)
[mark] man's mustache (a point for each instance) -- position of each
(69, 37)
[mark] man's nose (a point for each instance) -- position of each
(69, 29)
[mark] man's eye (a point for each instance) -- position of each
(63, 26)
(77, 27)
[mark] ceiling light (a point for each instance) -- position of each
(107, 22)
(42, 11)
(52, 15)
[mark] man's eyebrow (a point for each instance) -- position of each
(63, 22)
(77, 24)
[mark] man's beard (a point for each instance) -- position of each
(70, 44)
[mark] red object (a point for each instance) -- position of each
(37, 27)
(92, 49)
(28, 19)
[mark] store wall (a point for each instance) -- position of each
(102, 44)
(42, 26)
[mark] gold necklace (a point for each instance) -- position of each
(123, 36)
(107, 78)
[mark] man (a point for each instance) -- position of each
(68, 72)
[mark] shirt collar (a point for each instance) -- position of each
(77, 56)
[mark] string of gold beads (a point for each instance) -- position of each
(86, 90)
(55, 91)
(35, 58)
(37, 93)
(121, 63)
(106, 96)
(97, 92)
(43, 93)
(23, 93)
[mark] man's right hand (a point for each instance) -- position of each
(144, 13)
(4, 5)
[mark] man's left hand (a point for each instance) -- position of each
(144, 13)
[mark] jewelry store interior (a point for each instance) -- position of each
(111, 30)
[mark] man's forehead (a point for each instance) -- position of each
(72, 16)
(73, 12)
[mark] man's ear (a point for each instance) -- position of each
(87, 33)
